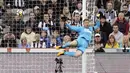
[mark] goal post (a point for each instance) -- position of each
(88, 61)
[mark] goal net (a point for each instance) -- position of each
(16, 16)
(43, 61)
(27, 21)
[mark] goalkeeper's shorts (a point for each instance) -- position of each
(82, 44)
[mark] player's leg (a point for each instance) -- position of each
(78, 53)
(74, 54)
(82, 45)
(68, 44)
(80, 50)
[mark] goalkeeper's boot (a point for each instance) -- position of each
(58, 47)
(61, 53)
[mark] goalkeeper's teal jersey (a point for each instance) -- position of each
(84, 32)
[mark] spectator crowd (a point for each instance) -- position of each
(42, 23)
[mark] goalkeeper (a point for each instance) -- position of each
(83, 40)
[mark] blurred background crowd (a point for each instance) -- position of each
(41, 23)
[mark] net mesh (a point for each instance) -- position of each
(45, 63)
(37, 63)
(90, 63)
(112, 63)
(16, 16)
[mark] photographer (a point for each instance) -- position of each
(59, 66)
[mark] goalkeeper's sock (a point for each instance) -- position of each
(69, 53)
(66, 45)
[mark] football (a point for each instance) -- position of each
(20, 12)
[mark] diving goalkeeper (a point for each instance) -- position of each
(83, 40)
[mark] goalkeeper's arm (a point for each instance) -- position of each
(97, 25)
(73, 28)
